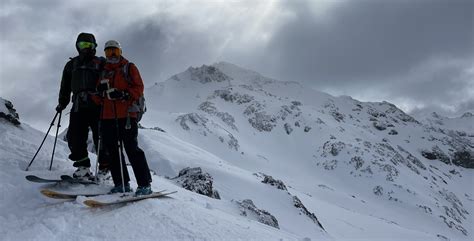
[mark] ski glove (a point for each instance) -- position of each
(115, 94)
(60, 108)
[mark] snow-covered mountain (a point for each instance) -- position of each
(463, 123)
(285, 162)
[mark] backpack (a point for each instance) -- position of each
(138, 106)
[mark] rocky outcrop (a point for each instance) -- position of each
(333, 148)
(193, 118)
(211, 109)
(207, 74)
(8, 113)
(248, 209)
(436, 154)
(463, 158)
(303, 210)
(193, 179)
(273, 182)
(232, 97)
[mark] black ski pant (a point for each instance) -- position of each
(78, 135)
(136, 156)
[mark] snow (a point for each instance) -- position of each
(27, 215)
(325, 149)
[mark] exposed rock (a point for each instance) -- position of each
(357, 162)
(227, 118)
(380, 125)
(233, 143)
(334, 111)
(8, 113)
(463, 158)
(374, 112)
(393, 132)
(273, 182)
(206, 74)
(156, 128)
(262, 122)
(378, 190)
(399, 114)
(416, 161)
(248, 209)
(330, 165)
(426, 209)
(467, 115)
(436, 154)
(191, 117)
(288, 128)
(333, 148)
(229, 96)
(442, 237)
(193, 179)
(296, 103)
(298, 204)
(455, 212)
(307, 128)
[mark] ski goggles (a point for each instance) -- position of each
(110, 52)
(85, 45)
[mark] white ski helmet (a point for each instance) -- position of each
(112, 44)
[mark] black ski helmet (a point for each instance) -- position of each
(86, 37)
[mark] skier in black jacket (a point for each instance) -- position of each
(80, 76)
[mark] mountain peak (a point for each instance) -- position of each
(206, 74)
(467, 115)
(203, 74)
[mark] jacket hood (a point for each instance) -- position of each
(86, 37)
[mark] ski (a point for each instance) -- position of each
(59, 195)
(95, 204)
(64, 179)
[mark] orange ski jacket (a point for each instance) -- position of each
(115, 74)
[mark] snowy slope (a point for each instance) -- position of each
(27, 215)
(383, 172)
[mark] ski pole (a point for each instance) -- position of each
(99, 141)
(55, 140)
(41, 145)
(120, 148)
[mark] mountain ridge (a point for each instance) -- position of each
(363, 170)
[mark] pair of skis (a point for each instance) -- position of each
(90, 202)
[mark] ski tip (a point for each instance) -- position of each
(33, 178)
(30, 177)
(55, 195)
(93, 203)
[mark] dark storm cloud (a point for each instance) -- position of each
(413, 53)
(364, 47)
(367, 40)
(159, 51)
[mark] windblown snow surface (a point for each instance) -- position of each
(341, 169)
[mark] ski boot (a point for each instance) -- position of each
(104, 175)
(83, 173)
(143, 190)
(119, 189)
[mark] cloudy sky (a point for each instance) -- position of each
(417, 54)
